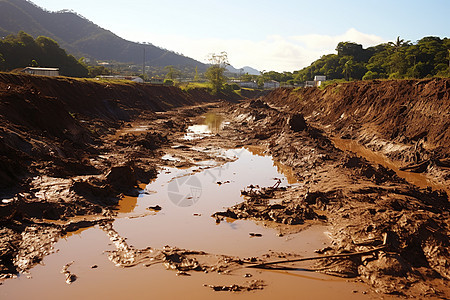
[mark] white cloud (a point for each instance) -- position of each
(275, 52)
(320, 42)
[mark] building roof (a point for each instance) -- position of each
(41, 69)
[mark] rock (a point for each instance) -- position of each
(122, 178)
(155, 208)
(297, 123)
(258, 104)
(255, 234)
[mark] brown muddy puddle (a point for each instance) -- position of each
(187, 199)
(209, 124)
(416, 179)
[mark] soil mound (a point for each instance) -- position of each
(407, 120)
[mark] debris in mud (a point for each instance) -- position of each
(258, 104)
(70, 277)
(246, 287)
(223, 182)
(155, 208)
(257, 206)
(256, 193)
(252, 234)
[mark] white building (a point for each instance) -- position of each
(310, 84)
(318, 79)
(271, 84)
(120, 77)
(42, 71)
(247, 84)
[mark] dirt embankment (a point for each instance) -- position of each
(407, 120)
(367, 206)
(61, 120)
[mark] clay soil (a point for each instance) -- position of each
(71, 149)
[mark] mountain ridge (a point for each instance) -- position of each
(82, 37)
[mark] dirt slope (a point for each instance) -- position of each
(54, 119)
(399, 111)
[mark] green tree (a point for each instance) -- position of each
(399, 43)
(171, 72)
(196, 76)
(215, 73)
(21, 50)
(348, 69)
(95, 71)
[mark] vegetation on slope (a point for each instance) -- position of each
(21, 50)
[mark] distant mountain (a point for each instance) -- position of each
(244, 70)
(81, 37)
(251, 71)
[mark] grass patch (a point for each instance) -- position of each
(187, 86)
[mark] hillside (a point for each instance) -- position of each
(81, 37)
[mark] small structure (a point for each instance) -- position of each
(42, 71)
(271, 84)
(247, 84)
(155, 80)
(310, 84)
(120, 77)
(318, 79)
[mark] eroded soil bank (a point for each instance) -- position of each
(385, 231)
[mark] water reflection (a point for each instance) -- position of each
(210, 124)
(127, 204)
(417, 179)
(214, 122)
(287, 171)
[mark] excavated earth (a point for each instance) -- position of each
(71, 149)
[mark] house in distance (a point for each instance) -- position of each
(42, 71)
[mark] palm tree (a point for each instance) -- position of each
(399, 43)
(348, 69)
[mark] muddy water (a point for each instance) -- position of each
(187, 199)
(175, 210)
(209, 124)
(417, 179)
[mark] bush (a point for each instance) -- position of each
(168, 82)
(235, 87)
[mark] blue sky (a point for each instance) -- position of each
(267, 35)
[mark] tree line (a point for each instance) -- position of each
(22, 50)
(429, 57)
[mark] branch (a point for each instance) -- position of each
(263, 265)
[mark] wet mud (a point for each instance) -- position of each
(385, 229)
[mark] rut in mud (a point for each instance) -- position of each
(385, 231)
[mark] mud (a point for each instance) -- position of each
(72, 148)
(360, 199)
(386, 230)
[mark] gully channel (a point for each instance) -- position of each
(128, 257)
